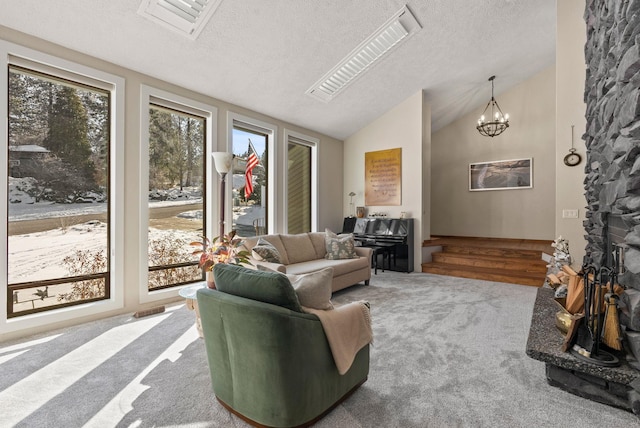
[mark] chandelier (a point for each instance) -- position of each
(498, 121)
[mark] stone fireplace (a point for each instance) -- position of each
(612, 137)
(612, 191)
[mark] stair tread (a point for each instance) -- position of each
(507, 265)
(506, 254)
(501, 243)
(483, 274)
(493, 258)
(506, 272)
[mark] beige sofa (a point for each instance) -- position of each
(305, 252)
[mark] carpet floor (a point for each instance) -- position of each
(447, 352)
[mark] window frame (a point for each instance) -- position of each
(150, 95)
(271, 131)
(314, 144)
(13, 54)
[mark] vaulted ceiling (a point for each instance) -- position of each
(264, 55)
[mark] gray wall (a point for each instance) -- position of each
(522, 213)
(570, 110)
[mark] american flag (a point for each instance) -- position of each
(252, 161)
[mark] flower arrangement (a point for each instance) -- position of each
(221, 249)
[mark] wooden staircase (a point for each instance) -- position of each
(516, 261)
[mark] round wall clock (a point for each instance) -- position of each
(573, 158)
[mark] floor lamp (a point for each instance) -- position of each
(223, 161)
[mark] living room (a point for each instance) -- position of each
(545, 108)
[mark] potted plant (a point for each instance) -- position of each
(221, 249)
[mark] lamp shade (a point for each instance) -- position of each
(223, 161)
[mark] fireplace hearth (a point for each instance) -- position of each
(615, 386)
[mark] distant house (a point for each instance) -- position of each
(25, 157)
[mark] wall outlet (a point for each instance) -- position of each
(569, 213)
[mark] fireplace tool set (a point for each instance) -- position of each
(600, 322)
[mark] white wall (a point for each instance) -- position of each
(401, 127)
(521, 213)
(570, 77)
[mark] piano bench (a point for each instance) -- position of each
(385, 252)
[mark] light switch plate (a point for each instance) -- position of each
(569, 213)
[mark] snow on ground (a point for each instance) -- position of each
(37, 256)
(21, 211)
(40, 255)
(22, 206)
(246, 215)
(39, 210)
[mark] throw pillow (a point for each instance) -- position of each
(265, 251)
(267, 287)
(313, 289)
(340, 246)
(332, 234)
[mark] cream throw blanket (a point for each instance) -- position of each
(348, 329)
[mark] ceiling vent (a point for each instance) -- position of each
(400, 27)
(187, 17)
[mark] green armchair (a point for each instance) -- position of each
(270, 362)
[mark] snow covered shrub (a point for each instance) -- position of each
(85, 262)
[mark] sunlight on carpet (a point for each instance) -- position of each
(32, 392)
(448, 352)
(122, 403)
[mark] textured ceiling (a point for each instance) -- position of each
(264, 55)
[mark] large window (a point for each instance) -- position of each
(252, 183)
(177, 136)
(176, 195)
(59, 187)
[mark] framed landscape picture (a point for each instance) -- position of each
(501, 175)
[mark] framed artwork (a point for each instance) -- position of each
(383, 177)
(501, 175)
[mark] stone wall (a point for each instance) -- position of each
(612, 137)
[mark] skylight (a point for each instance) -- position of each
(187, 17)
(386, 38)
